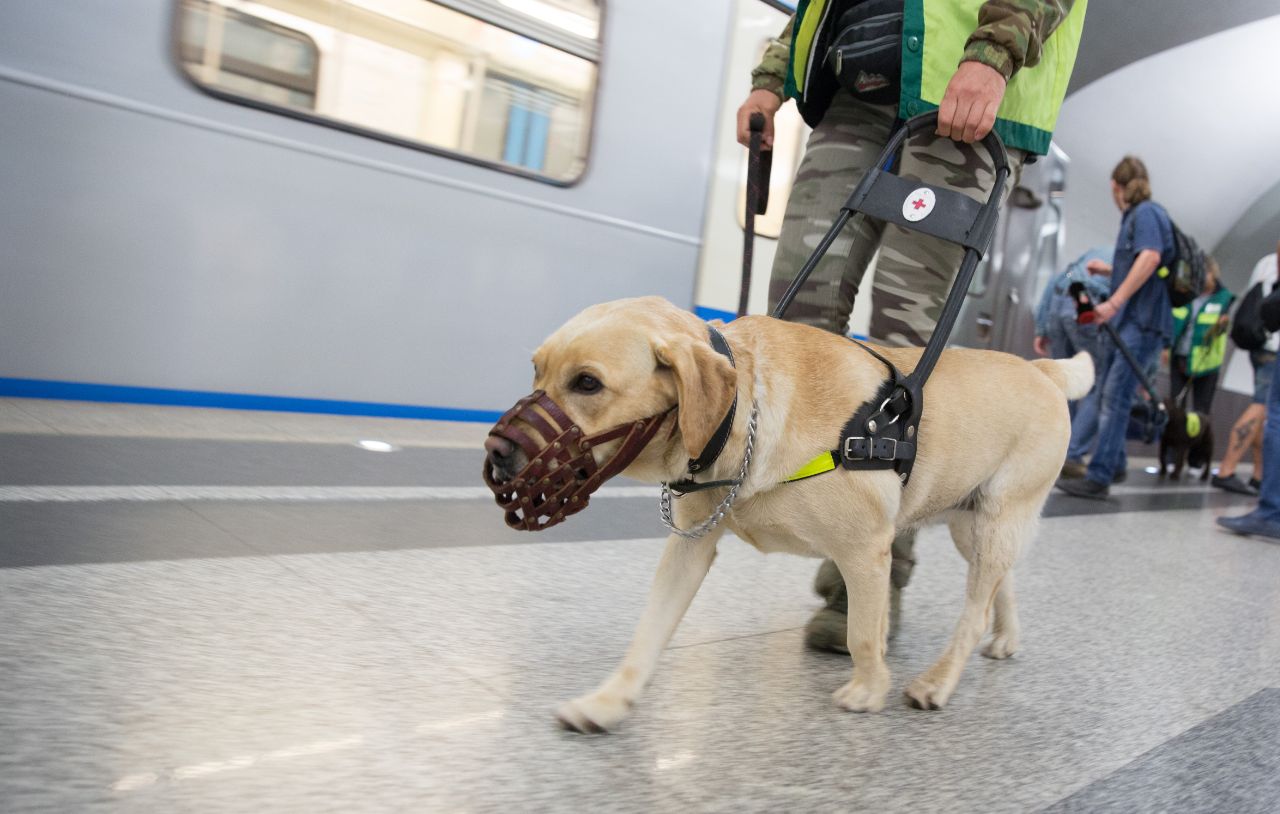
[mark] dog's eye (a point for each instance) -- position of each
(586, 383)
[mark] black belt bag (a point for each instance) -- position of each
(866, 54)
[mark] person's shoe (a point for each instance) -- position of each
(1255, 483)
(828, 630)
(1120, 477)
(1083, 487)
(1251, 524)
(1232, 483)
(1073, 468)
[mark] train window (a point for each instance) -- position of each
(507, 83)
(246, 54)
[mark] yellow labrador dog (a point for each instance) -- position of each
(991, 442)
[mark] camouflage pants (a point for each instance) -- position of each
(914, 271)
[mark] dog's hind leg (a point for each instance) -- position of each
(1004, 623)
(997, 537)
(1004, 626)
(865, 567)
(680, 573)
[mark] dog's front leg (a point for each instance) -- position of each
(865, 568)
(684, 565)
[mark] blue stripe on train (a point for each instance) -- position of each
(79, 391)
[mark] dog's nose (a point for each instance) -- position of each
(499, 452)
(499, 449)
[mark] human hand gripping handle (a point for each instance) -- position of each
(765, 103)
(968, 109)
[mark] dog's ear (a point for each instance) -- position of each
(705, 386)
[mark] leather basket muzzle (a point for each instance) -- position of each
(562, 472)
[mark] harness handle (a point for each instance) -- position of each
(942, 213)
(953, 217)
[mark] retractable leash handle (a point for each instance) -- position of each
(759, 164)
(883, 434)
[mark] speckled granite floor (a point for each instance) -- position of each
(406, 655)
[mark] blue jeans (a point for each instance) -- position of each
(1105, 411)
(1269, 497)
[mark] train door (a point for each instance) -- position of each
(755, 22)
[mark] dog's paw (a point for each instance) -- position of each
(592, 714)
(1001, 647)
(861, 696)
(925, 693)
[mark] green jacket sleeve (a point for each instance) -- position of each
(1010, 33)
(771, 73)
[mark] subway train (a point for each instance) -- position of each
(296, 204)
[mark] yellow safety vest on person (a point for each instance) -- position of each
(934, 33)
(933, 38)
(1206, 354)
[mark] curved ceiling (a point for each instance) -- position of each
(1118, 32)
(1202, 115)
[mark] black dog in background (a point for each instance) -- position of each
(1185, 441)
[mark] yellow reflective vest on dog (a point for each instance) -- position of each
(934, 33)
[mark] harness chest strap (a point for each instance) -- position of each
(867, 440)
(880, 435)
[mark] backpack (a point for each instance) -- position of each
(1247, 331)
(1186, 275)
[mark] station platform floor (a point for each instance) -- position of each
(220, 611)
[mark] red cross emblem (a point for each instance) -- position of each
(918, 204)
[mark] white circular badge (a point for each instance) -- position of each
(918, 204)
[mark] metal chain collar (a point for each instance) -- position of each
(700, 530)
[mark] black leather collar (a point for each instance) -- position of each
(720, 437)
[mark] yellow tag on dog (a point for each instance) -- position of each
(1193, 425)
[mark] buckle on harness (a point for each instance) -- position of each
(862, 448)
(851, 448)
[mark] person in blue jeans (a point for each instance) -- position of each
(1264, 521)
(1058, 334)
(1139, 310)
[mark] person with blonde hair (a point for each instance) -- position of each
(1139, 310)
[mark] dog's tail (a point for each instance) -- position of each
(1073, 376)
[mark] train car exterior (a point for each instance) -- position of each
(342, 206)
